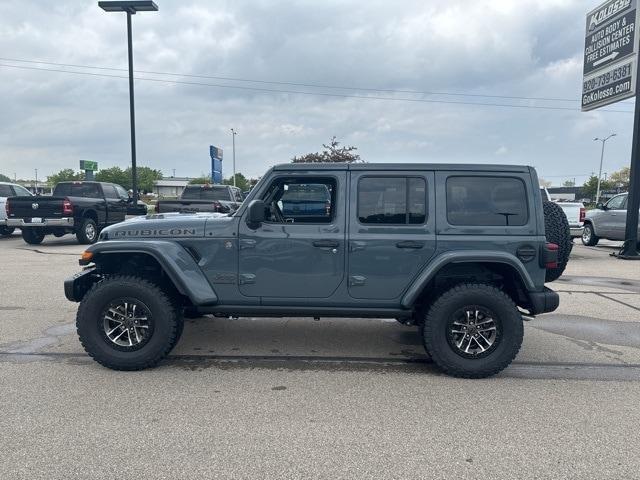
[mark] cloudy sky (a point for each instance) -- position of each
(399, 80)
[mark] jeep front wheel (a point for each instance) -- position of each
(473, 331)
(127, 323)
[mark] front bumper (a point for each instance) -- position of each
(77, 286)
(543, 302)
(46, 222)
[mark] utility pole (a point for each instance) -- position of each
(603, 140)
(234, 133)
(36, 187)
(174, 172)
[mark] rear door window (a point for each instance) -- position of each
(486, 201)
(5, 191)
(110, 191)
(392, 200)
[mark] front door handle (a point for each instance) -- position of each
(410, 244)
(326, 243)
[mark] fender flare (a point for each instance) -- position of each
(414, 291)
(176, 262)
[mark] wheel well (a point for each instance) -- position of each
(501, 275)
(141, 265)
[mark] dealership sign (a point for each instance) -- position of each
(610, 51)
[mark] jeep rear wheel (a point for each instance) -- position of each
(127, 323)
(473, 331)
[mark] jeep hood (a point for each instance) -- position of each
(168, 225)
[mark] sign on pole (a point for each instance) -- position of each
(88, 165)
(610, 51)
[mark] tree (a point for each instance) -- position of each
(241, 182)
(590, 187)
(65, 175)
(114, 175)
(146, 178)
(332, 153)
(201, 180)
(4, 178)
(621, 178)
(568, 183)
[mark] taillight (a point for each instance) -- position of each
(583, 213)
(67, 208)
(7, 208)
(551, 255)
(217, 206)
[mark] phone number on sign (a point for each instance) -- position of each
(623, 71)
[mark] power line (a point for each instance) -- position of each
(308, 85)
(297, 92)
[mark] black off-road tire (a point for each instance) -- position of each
(557, 231)
(435, 332)
(32, 236)
(179, 326)
(589, 237)
(89, 323)
(87, 232)
(6, 231)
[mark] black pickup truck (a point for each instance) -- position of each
(81, 208)
(203, 198)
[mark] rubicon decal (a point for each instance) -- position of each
(172, 232)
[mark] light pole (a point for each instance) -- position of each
(234, 133)
(603, 140)
(36, 188)
(130, 8)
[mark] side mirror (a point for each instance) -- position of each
(600, 206)
(255, 214)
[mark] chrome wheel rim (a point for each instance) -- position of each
(127, 324)
(90, 231)
(473, 332)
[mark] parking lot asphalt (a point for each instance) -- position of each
(335, 398)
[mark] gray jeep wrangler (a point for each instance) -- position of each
(458, 250)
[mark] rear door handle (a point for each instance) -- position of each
(410, 244)
(326, 243)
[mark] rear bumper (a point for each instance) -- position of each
(46, 222)
(543, 302)
(576, 231)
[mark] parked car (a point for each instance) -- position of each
(80, 208)
(606, 221)
(203, 198)
(9, 190)
(461, 268)
(305, 201)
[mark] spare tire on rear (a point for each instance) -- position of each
(557, 231)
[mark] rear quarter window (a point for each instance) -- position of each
(486, 201)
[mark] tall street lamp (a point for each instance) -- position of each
(130, 8)
(234, 133)
(603, 140)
